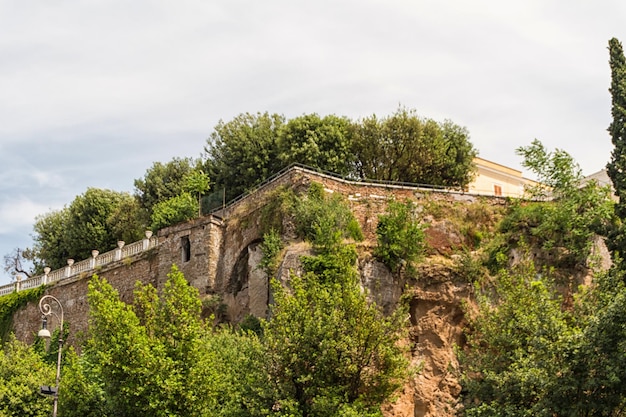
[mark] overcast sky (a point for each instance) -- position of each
(93, 92)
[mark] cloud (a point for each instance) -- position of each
(19, 214)
(94, 92)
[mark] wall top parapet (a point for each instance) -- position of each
(72, 269)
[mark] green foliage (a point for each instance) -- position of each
(156, 357)
(250, 148)
(332, 265)
(591, 381)
(162, 182)
(404, 147)
(232, 364)
(330, 351)
(127, 221)
(82, 392)
(324, 220)
(616, 168)
(319, 142)
(11, 303)
(22, 372)
(177, 209)
(559, 175)
(277, 209)
(243, 152)
(272, 246)
(563, 227)
(96, 219)
(400, 236)
(197, 182)
(470, 267)
(515, 346)
(145, 353)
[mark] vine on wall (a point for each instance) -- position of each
(10, 304)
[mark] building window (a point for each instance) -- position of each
(185, 247)
(497, 190)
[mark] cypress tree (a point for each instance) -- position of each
(616, 168)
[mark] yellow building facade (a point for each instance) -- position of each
(499, 180)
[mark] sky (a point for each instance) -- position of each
(92, 93)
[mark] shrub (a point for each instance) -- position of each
(399, 235)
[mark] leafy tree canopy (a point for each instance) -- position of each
(515, 346)
(22, 372)
(319, 142)
(162, 182)
(243, 152)
(557, 172)
(96, 219)
(331, 352)
(156, 357)
(405, 147)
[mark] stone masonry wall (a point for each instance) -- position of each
(72, 293)
(194, 247)
(222, 254)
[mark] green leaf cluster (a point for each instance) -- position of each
(243, 152)
(516, 344)
(177, 209)
(162, 181)
(324, 219)
(157, 357)
(407, 148)
(271, 247)
(11, 303)
(562, 227)
(399, 235)
(331, 352)
(96, 219)
(22, 373)
(404, 147)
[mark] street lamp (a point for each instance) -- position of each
(46, 310)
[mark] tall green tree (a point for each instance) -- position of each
(331, 352)
(157, 357)
(593, 380)
(405, 147)
(515, 348)
(96, 219)
(22, 373)
(616, 168)
(145, 352)
(162, 182)
(319, 142)
(243, 152)
(557, 172)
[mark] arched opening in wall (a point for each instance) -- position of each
(185, 249)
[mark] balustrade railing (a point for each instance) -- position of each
(72, 269)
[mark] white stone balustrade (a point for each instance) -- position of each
(72, 269)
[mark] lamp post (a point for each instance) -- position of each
(46, 311)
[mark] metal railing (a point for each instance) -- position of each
(72, 269)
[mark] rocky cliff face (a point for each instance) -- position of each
(435, 294)
(436, 326)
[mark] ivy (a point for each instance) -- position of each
(9, 304)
